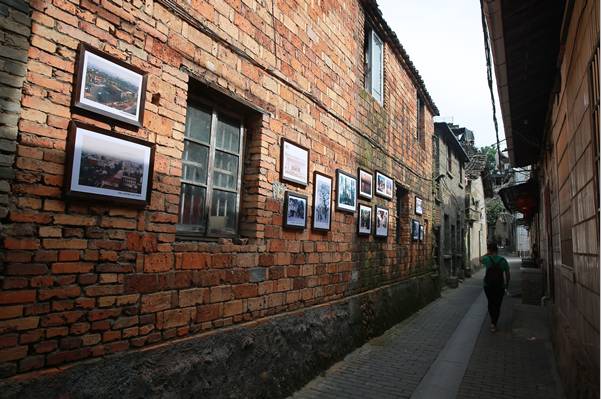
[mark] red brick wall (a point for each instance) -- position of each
(83, 280)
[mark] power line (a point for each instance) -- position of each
(489, 77)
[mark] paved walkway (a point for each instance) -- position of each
(446, 351)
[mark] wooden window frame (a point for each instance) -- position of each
(191, 231)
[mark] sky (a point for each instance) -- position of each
(444, 41)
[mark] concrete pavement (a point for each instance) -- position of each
(447, 351)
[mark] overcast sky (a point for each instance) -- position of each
(444, 40)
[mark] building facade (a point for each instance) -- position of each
(555, 128)
(449, 177)
(222, 270)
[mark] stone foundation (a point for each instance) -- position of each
(269, 358)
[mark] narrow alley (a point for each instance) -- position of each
(447, 351)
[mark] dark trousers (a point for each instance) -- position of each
(495, 299)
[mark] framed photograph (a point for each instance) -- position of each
(419, 208)
(322, 202)
(346, 192)
(384, 185)
(364, 220)
(103, 165)
(366, 184)
(421, 232)
(381, 222)
(107, 86)
(414, 230)
(294, 162)
(295, 211)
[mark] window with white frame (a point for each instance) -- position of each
(211, 172)
(374, 65)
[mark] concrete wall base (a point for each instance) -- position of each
(269, 358)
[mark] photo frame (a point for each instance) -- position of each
(381, 222)
(364, 220)
(108, 86)
(421, 232)
(322, 202)
(414, 230)
(295, 211)
(419, 206)
(346, 192)
(102, 165)
(366, 184)
(294, 163)
(384, 185)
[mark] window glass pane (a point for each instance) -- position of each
(377, 67)
(199, 154)
(198, 123)
(223, 216)
(225, 171)
(228, 134)
(192, 206)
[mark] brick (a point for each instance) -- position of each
(232, 308)
(193, 296)
(46, 346)
(174, 318)
(155, 302)
(9, 312)
(59, 293)
(142, 283)
(21, 324)
(68, 356)
(19, 296)
(158, 262)
(31, 363)
(15, 353)
(72, 267)
(195, 261)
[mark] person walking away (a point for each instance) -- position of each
(496, 282)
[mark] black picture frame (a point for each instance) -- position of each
(92, 158)
(362, 229)
(291, 154)
(343, 195)
(381, 231)
(388, 185)
(361, 175)
(414, 230)
(292, 210)
(115, 102)
(419, 206)
(319, 202)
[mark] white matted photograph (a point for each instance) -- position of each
(421, 232)
(295, 211)
(381, 222)
(108, 86)
(102, 164)
(322, 202)
(294, 163)
(419, 207)
(346, 192)
(384, 185)
(364, 220)
(366, 184)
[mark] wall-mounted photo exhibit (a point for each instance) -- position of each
(294, 163)
(384, 185)
(295, 211)
(107, 86)
(322, 202)
(421, 232)
(414, 230)
(366, 184)
(364, 220)
(346, 192)
(419, 207)
(381, 222)
(102, 165)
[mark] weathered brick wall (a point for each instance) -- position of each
(568, 171)
(15, 29)
(84, 280)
